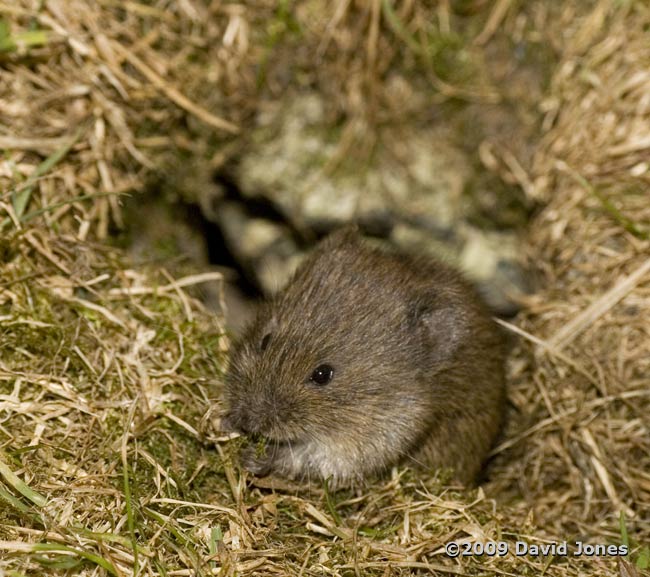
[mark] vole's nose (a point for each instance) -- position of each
(230, 423)
(237, 423)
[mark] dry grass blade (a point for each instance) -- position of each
(38, 144)
(599, 307)
(174, 94)
(496, 16)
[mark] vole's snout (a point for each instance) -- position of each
(245, 422)
(237, 422)
(265, 416)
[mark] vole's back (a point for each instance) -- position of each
(416, 368)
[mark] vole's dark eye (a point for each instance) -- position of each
(322, 374)
(265, 341)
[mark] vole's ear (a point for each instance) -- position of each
(261, 332)
(442, 326)
(346, 235)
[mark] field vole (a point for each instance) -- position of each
(368, 358)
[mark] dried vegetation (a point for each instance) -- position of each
(110, 463)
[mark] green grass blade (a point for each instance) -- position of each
(50, 207)
(13, 501)
(20, 197)
(398, 28)
(92, 557)
(627, 223)
(643, 560)
(130, 514)
(625, 538)
(14, 481)
(331, 505)
(28, 39)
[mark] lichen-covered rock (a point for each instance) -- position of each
(408, 186)
(311, 172)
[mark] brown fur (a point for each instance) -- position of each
(418, 368)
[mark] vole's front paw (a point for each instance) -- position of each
(258, 463)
